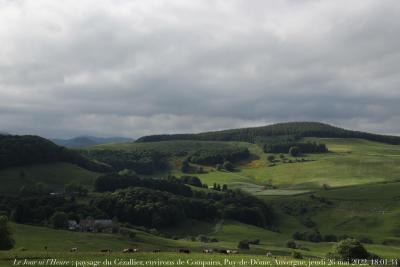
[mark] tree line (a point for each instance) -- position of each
(284, 147)
(218, 156)
(294, 129)
(142, 161)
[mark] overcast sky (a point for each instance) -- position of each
(131, 68)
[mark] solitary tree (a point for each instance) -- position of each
(349, 249)
(224, 187)
(6, 241)
(271, 158)
(185, 166)
(59, 220)
(243, 244)
(228, 166)
(294, 151)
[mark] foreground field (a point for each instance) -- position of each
(158, 259)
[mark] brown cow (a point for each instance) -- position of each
(184, 250)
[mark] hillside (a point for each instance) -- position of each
(53, 175)
(264, 134)
(85, 141)
(24, 150)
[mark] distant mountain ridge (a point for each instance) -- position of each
(85, 141)
(294, 130)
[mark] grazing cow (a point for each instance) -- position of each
(269, 254)
(127, 250)
(106, 250)
(207, 250)
(73, 250)
(223, 251)
(156, 251)
(184, 250)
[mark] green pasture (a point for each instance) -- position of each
(54, 175)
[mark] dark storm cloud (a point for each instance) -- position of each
(139, 67)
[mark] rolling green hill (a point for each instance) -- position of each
(283, 130)
(53, 175)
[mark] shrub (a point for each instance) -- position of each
(254, 241)
(243, 244)
(294, 151)
(59, 220)
(291, 244)
(228, 166)
(6, 241)
(349, 249)
(330, 238)
(297, 255)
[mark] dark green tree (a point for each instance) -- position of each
(224, 187)
(348, 249)
(59, 220)
(6, 241)
(228, 166)
(294, 151)
(185, 166)
(244, 244)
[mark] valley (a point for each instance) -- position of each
(317, 199)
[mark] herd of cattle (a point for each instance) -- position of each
(181, 250)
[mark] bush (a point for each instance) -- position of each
(6, 241)
(330, 238)
(291, 244)
(243, 244)
(349, 249)
(294, 151)
(228, 166)
(59, 220)
(254, 241)
(297, 255)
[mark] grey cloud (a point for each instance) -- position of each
(140, 67)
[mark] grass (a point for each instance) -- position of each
(59, 242)
(350, 162)
(55, 175)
